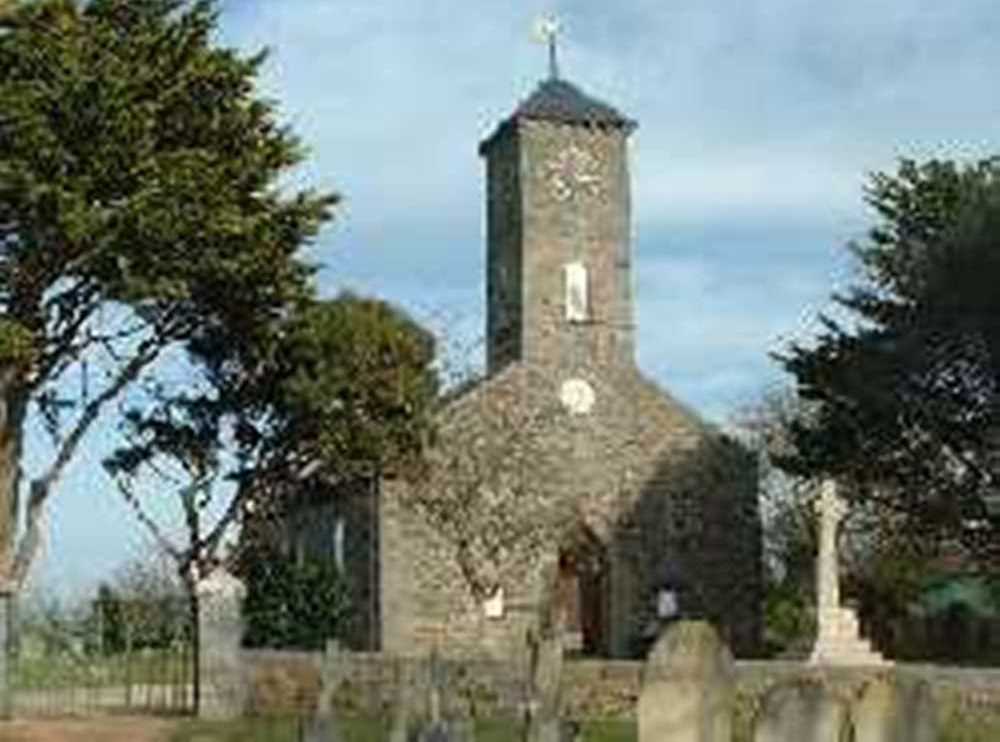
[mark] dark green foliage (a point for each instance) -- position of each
(354, 386)
(140, 212)
(903, 398)
(132, 622)
(293, 604)
(137, 162)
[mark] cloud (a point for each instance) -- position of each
(758, 121)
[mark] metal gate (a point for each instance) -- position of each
(126, 656)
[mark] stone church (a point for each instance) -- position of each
(677, 535)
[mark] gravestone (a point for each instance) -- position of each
(545, 678)
(403, 704)
(223, 683)
(323, 726)
(896, 711)
(801, 711)
(687, 691)
(875, 715)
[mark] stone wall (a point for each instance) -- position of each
(288, 682)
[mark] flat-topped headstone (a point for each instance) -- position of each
(801, 711)
(688, 687)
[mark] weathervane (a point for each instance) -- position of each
(547, 29)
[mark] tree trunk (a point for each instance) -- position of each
(6, 655)
(13, 406)
(194, 617)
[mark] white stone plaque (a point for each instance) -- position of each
(576, 291)
(493, 606)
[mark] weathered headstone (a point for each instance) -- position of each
(875, 714)
(895, 711)
(545, 679)
(410, 681)
(801, 711)
(688, 687)
(323, 726)
(220, 630)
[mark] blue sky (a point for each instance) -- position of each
(758, 120)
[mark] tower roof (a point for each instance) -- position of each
(560, 101)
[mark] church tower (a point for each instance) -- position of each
(558, 256)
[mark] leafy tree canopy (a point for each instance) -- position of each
(339, 390)
(139, 211)
(902, 399)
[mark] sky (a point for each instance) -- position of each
(759, 121)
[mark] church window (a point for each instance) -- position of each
(575, 274)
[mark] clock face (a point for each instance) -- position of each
(571, 172)
(577, 396)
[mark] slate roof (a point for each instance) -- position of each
(561, 101)
(558, 100)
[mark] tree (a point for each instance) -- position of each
(141, 606)
(904, 398)
(140, 219)
(292, 604)
(329, 393)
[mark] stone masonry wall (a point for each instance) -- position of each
(661, 492)
(288, 682)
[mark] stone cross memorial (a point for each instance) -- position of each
(838, 640)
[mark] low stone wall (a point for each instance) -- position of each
(282, 682)
(289, 682)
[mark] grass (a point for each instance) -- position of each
(976, 728)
